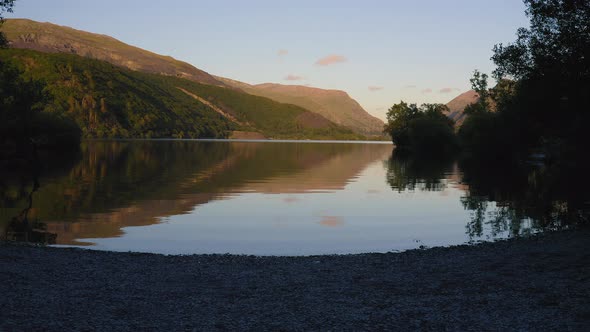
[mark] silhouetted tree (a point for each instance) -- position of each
(5, 6)
(549, 64)
(479, 83)
(399, 117)
(424, 129)
(478, 135)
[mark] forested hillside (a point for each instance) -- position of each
(108, 101)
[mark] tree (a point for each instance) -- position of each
(399, 117)
(479, 132)
(424, 129)
(479, 83)
(20, 100)
(23, 123)
(550, 68)
(556, 45)
(5, 6)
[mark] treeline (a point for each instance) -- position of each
(106, 101)
(540, 106)
(542, 99)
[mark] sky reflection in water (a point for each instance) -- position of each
(185, 197)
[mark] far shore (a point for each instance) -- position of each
(254, 140)
(540, 283)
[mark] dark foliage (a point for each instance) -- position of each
(24, 126)
(5, 6)
(106, 101)
(549, 107)
(417, 172)
(425, 129)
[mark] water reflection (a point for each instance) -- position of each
(525, 198)
(117, 184)
(19, 183)
(285, 198)
(406, 172)
(16, 222)
(503, 199)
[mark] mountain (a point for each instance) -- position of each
(110, 101)
(51, 38)
(336, 106)
(458, 104)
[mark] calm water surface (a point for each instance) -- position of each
(266, 198)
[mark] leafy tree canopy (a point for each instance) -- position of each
(5, 6)
(479, 83)
(549, 64)
(556, 44)
(420, 129)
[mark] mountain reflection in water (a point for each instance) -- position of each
(137, 183)
(287, 198)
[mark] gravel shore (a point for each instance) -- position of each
(536, 284)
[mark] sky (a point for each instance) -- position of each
(379, 51)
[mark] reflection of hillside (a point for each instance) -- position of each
(106, 225)
(121, 184)
(331, 174)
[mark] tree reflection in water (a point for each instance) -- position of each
(528, 197)
(408, 172)
(19, 182)
(511, 199)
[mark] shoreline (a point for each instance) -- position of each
(536, 283)
(244, 140)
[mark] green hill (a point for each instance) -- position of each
(335, 105)
(110, 101)
(52, 38)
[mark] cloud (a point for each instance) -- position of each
(282, 52)
(331, 221)
(330, 60)
(292, 77)
(373, 88)
(291, 199)
(427, 91)
(448, 90)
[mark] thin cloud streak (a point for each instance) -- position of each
(330, 60)
(373, 88)
(282, 53)
(425, 91)
(448, 90)
(292, 77)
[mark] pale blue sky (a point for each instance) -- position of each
(418, 51)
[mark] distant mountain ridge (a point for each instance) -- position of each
(458, 104)
(52, 38)
(109, 101)
(111, 89)
(335, 105)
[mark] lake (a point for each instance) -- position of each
(274, 198)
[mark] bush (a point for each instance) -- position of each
(425, 129)
(432, 136)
